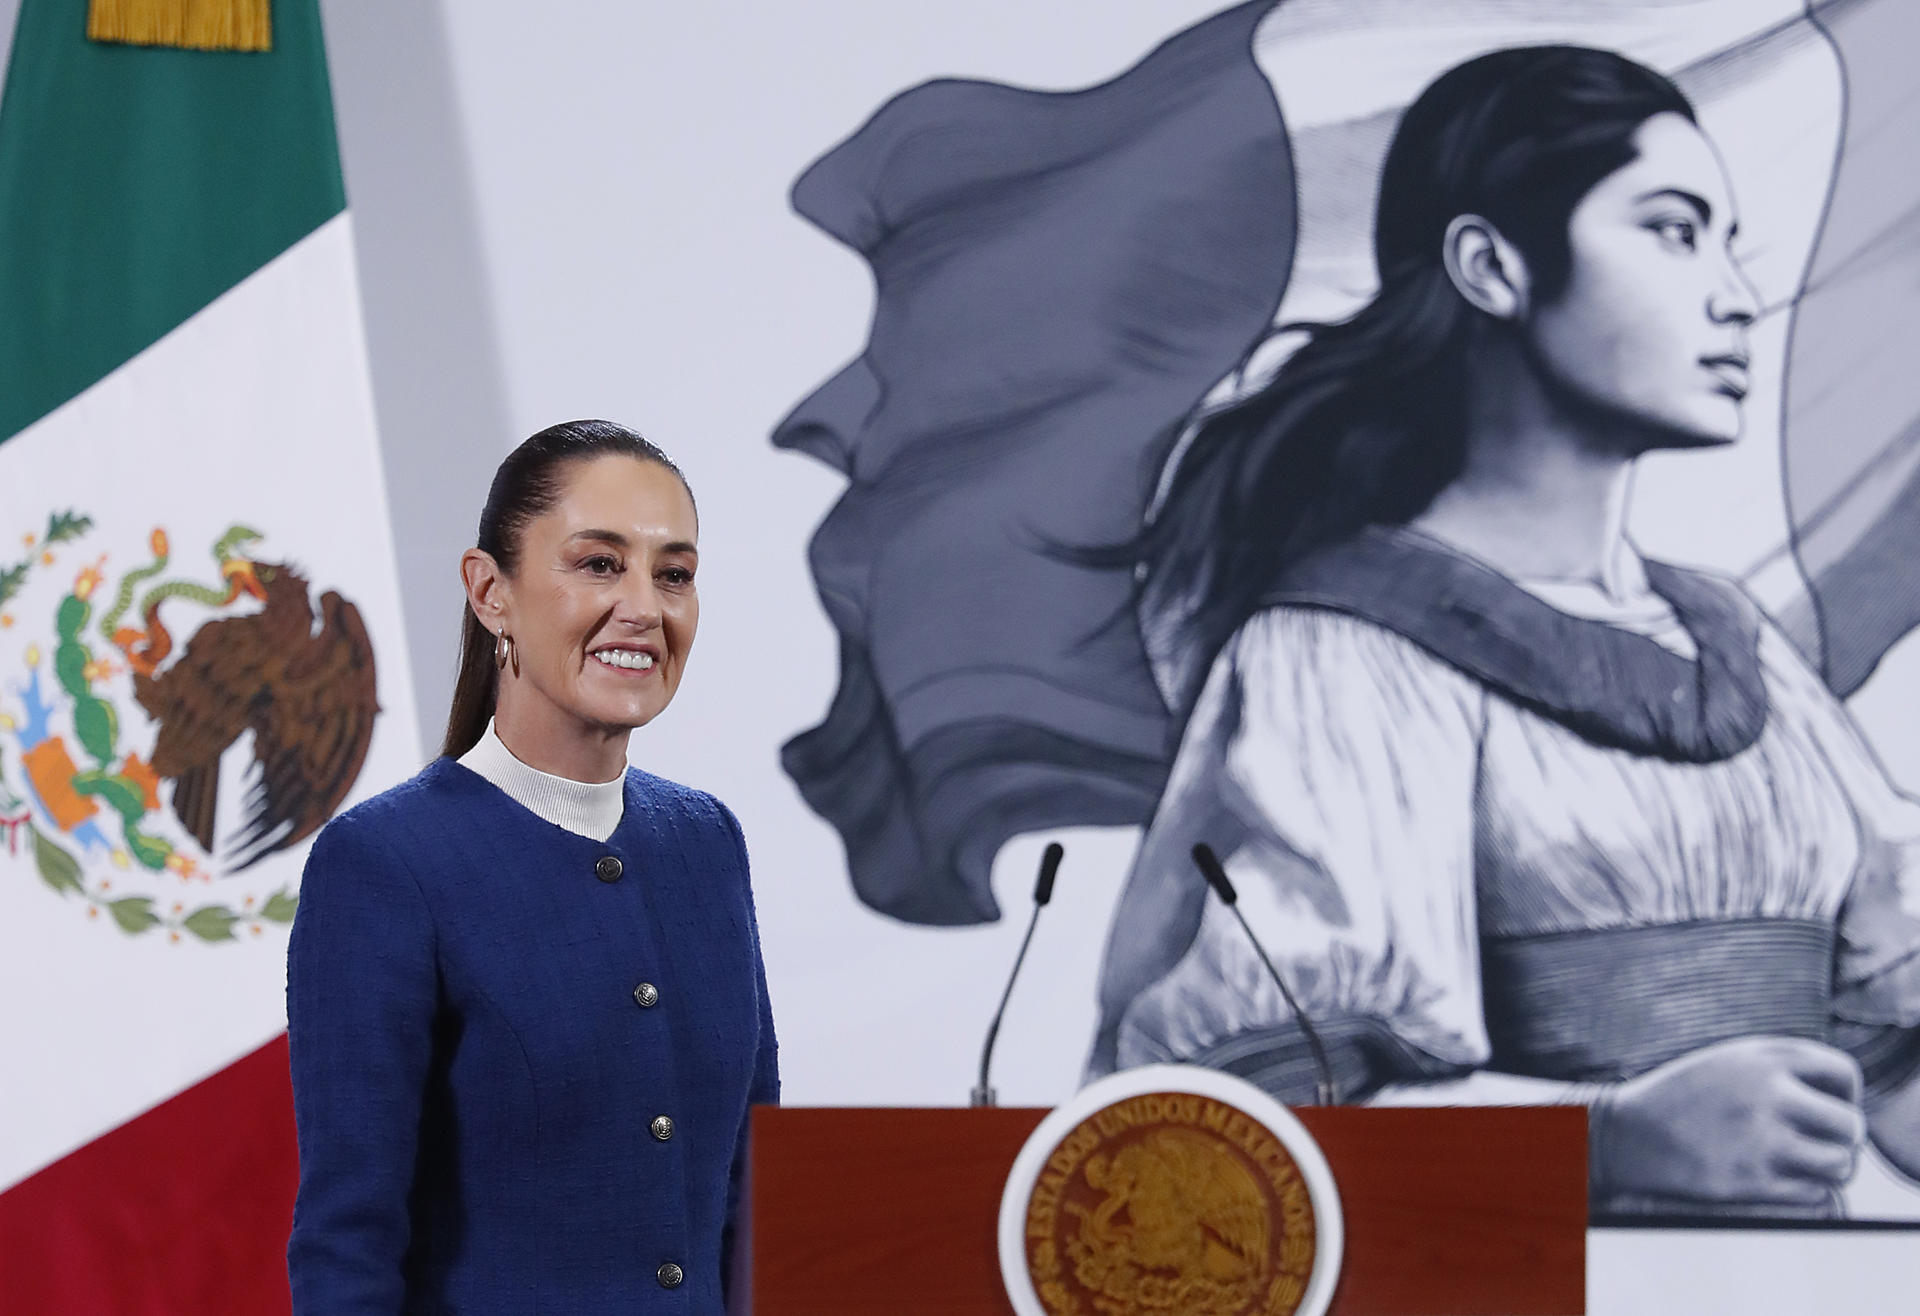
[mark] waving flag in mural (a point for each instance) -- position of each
(1083, 268)
(1086, 299)
(1853, 398)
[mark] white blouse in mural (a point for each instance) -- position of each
(1381, 812)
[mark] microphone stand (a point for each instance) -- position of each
(1216, 874)
(983, 1093)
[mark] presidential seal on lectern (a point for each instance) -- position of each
(1170, 1190)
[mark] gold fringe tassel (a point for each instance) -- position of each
(187, 24)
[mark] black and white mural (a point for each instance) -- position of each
(1317, 442)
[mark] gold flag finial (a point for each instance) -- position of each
(188, 24)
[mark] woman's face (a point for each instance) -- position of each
(1651, 329)
(602, 607)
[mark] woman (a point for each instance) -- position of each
(1533, 819)
(525, 998)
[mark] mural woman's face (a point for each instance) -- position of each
(1651, 329)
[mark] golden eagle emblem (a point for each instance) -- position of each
(96, 794)
(305, 691)
(1170, 1204)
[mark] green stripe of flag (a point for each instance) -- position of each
(138, 184)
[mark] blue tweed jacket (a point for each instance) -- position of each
(488, 1019)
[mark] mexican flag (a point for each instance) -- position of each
(201, 654)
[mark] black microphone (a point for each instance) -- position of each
(1210, 868)
(983, 1095)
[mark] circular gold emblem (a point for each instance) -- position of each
(1171, 1202)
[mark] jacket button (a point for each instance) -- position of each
(607, 869)
(662, 1127)
(669, 1275)
(646, 996)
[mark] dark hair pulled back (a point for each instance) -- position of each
(1364, 424)
(527, 485)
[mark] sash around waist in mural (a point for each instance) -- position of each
(1613, 1003)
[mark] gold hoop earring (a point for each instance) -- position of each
(502, 650)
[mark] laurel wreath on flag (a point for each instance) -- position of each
(135, 914)
(124, 784)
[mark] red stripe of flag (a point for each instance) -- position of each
(182, 1211)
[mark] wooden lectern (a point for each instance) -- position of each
(1449, 1211)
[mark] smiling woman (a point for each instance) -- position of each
(584, 567)
(490, 1028)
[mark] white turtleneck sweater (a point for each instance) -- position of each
(585, 808)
